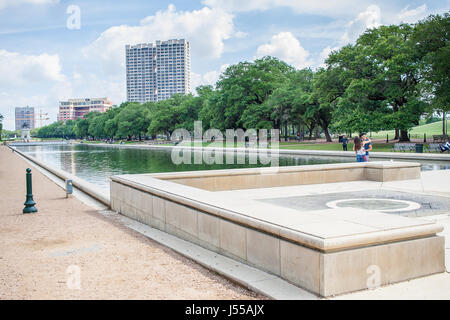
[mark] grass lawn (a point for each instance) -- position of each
(377, 147)
(430, 130)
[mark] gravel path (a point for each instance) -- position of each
(40, 254)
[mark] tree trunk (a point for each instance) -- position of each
(443, 123)
(327, 135)
(397, 135)
(311, 129)
(404, 136)
(285, 131)
(324, 126)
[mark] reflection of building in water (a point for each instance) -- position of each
(72, 163)
(67, 160)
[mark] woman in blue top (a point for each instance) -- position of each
(367, 145)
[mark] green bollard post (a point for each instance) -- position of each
(29, 202)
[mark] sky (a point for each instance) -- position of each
(53, 50)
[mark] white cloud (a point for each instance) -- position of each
(19, 69)
(412, 15)
(240, 34)
(209, 78)
(322, 7)
(370, 18)
(324, 55)
(10, 3)
(8, 103)
(287, 48)
(205, 29)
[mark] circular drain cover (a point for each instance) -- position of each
(385, 205)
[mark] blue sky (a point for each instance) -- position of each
(42, 61)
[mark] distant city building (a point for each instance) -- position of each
(25, 118)
(157, 71)
(77, 108)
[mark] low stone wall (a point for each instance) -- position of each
(220, 180)
(327, 252)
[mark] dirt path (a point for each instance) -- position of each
(40, 254)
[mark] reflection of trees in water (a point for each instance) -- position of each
(125, 161)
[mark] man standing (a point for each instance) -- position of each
(344, 143)
(367, 143)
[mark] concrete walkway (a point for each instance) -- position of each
(69, 251)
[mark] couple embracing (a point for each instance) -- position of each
(362, 147)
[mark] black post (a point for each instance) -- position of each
(387, 138)
(29, 202)
(424, 137)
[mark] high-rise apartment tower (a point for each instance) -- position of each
(25, 118)
(157, 71)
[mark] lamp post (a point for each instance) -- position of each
(29, 202)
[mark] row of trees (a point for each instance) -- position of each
(389, 79)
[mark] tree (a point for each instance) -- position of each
(379, 78)
(132, 120)
(246, 85)
(170, 114)
(81, 128)
(96, 127)
(431, 37)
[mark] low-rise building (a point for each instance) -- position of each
(73, 109)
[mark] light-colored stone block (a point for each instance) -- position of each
(373, 174)
(357, 269)
(300, 265)
(233, 239)
(208, 229)
(172, 213)
(188, 221)
(263, 250)
(181, 217)
(313, 177)
(159, 208)
(331, 229)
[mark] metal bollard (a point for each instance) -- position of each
(69, 188)
(29, 202)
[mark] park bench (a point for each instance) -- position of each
(440, 138)
(404, 147)
(433, 147)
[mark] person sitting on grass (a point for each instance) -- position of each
(445, 147)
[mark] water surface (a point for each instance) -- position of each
(96, 164)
